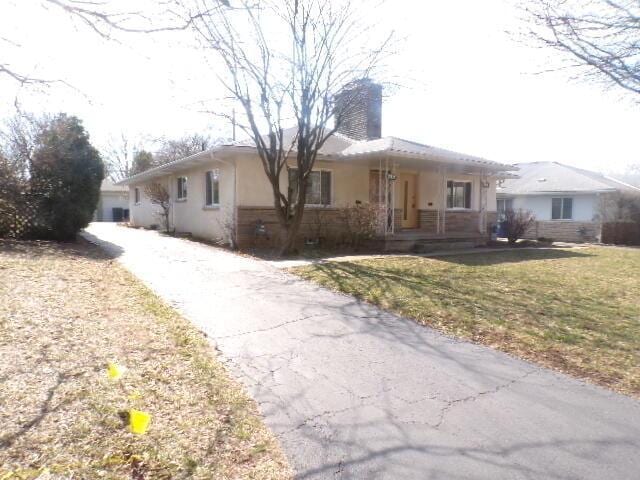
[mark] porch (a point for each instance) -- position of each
(421, 241)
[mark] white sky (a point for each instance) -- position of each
(467, 85)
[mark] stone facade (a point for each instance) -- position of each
(455, 221)
(565, 231)
(361, 107)
(428, 220)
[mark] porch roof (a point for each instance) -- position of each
(339, 148)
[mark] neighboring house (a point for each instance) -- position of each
(567, 201)
(424, 192)
(113, 205)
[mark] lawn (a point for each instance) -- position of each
(66, 310)
(577, 310)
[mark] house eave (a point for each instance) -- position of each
(555, 192)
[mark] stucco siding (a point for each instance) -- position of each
(585, 207)
(243, 185)
(108, 201)
(190, 215)
(350, 183)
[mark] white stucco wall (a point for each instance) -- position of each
(109, 201)
(190, 215)
(585, 206)
(432, 193)
(350, 183)
(243, 183)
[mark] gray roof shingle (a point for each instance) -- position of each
(550, 177)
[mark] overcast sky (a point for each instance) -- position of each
(467, 85)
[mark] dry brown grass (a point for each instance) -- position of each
(65, 311)
(575, 310)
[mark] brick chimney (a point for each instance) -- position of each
(359, 110)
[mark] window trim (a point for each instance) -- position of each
(331, 197)
(136, 195)
(446, 195)
(213, 205)
(185, 189)
(562, 200)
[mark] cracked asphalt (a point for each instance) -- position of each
(353, 392)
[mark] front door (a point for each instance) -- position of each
(408, 193)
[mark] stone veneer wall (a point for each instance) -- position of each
(316, 222)
(565, 231)
(456, 221)
(428, 220)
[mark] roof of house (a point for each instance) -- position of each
(340, 148)
(108, 186)
(552, 177)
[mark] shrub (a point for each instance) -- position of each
(51, 178)
(66, 173)
(361, 222)
(545, 240)
(516, 223)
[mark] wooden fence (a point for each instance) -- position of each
(621, 233)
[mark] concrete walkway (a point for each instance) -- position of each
(356, 393)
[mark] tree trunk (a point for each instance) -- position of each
(291, 232)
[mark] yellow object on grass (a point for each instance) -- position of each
(114, 371)
(139, 421)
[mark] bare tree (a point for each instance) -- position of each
(174, 149)
(106, 17)
(17, 142)
(159, 195)
(285, 61)
(603, 36)
(118, 157)
(516, 223)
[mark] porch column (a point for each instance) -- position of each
(443, 201)
(382, 214)
(482, 218)
(387, 229)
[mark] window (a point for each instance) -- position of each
(212, 188)
(318, 186)
(562, 208)
(504, 204)
(458, 194)
(136, 195)
(182, 188)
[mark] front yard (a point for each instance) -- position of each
(66, 310)
(577, 311)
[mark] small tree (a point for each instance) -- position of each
(175, 149)
(516, 223)
(66, 174)
(142, 160)
(159, 195)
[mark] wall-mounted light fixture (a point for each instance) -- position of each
(392, 176)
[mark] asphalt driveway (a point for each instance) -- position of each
(357, 393)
